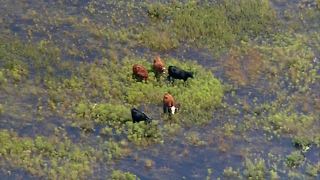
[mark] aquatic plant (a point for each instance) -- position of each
(194, 139)
(121, 175)
(256, 169)
(229, 172)
(144, 134)
(301, 142)
(313, 170)
(294, 159)
(114, 150)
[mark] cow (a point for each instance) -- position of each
(158, 66)
(169, 104)
(139, 72)
(138, 116)
(177, 73)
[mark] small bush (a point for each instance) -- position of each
(294, 159)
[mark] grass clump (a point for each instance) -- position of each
(3, 78)
(110, 114)
(313, 170)
(157, 39)
(302, 143)
(114, 150)
(121, 175)
(288, 123)
(229, 172)
(193, 138)
(250, 17)
(144, 134)
(256, 169)
(294, 159)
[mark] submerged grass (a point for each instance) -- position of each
(46, 157)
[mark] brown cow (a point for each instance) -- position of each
(169, 104)
(140, 72)
(158, 66)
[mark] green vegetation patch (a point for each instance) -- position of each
(197, 96)
(288, 55)
(104, 92)
(206, 25)
(294, 159)
(211, 25)
(288, 65)
(121, 175)
(47, 157)
(19, 57)
(255, 169)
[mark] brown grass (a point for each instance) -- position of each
(243, 68)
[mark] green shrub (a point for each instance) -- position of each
(294, 159)
(256, 169)
(120, 175)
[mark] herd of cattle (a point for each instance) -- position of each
(140, 73)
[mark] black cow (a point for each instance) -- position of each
(138, 116)
(177, 73)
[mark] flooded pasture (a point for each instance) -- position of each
(250, 112)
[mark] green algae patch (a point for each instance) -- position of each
(46, 157)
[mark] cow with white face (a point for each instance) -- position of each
(169, 104)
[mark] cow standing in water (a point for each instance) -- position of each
(169, 104)
(158, 66)
(177, 73)
(138, 116)
(139, 72)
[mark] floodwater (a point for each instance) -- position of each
(177, 157)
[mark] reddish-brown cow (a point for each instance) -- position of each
(169, 104)
(158, 65)
(140, 72)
